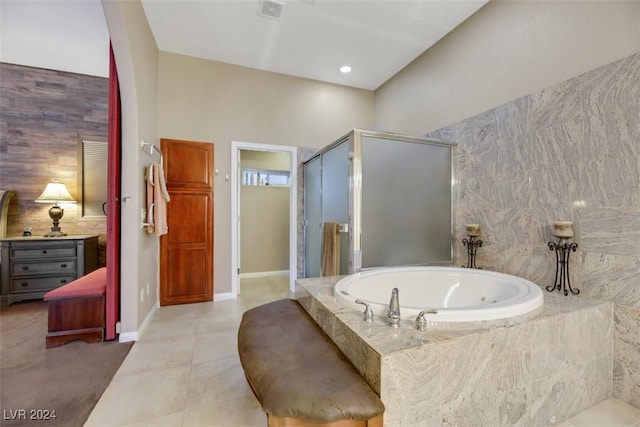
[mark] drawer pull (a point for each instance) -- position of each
(44, 251)
(63, 265)
(24, 283)
(25, 267)
(63, 281)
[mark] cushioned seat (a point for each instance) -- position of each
(297, 372)
(94, 283)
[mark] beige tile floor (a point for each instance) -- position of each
(185, 371)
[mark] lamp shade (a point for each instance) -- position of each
(55, 192)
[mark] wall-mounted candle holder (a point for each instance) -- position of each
(563, 230)
(472, 244)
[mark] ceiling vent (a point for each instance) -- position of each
(271, 9)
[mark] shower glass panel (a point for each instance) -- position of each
(406, 202)
(313, 218)
(335, 194)
(393, 193)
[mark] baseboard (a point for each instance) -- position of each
(263, 274)
(224, 296)
(135, 335)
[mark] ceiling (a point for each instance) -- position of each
(310, 38)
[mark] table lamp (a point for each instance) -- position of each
(55, 192)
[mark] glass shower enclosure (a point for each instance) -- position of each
(392, 196)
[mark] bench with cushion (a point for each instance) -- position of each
(77, 310)
(298, 374)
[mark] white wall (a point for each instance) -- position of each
(508, 49)
(136, 57)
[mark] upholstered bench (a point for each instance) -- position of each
(298, 374)
(77, 310)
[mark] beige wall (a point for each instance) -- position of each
(264, 216)
(264, 229)
(137, 60)
(506, 50)
(210, 101)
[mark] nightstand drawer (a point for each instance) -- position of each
(30, 284)
(44, 252)
(53, 267)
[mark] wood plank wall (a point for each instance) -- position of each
(41, 114)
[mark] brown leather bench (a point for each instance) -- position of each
(77, 310)
(298, 374)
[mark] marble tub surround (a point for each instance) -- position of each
(568, 152)
(537, 369)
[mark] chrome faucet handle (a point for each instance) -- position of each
(368, 312)
(421, 322)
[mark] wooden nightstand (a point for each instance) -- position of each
(32, 266)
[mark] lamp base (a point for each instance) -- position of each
(55, 234)
(55, 213)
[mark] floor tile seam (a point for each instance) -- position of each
(220, 360)
(158, 370)
(165, 337)
(223, 326)
(189, 406)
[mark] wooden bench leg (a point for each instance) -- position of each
(297, 422)
(75, 318)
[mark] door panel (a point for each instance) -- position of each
(188, 229)
(186, 251)
(112, 295)
(196, 162)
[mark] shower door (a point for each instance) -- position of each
(335, 195)
(326, 199)
(313, 218)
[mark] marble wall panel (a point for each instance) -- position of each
(410, 384)
(505, 408)
(569, 391)
(614, 231)
(512, 119)
(626, 363)
(548, 347)
(614, 278)
(570, 151)
(472, 371)
(610, 182)
(589, 334)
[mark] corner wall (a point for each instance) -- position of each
(508, 49)
(136, 57)
(211, 101)
(561, 147)
(570, 151)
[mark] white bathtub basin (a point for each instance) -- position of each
(459, 294)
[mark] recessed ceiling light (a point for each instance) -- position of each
(345, 69)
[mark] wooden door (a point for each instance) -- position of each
(186, 251)
(113, 204)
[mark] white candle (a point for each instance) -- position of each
(563, 228)
(473, 229)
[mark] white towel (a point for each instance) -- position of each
(157, 198)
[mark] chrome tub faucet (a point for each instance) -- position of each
(393, 314)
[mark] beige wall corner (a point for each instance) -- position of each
(211, 101)
(508, 49)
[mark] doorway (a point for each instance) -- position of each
(250, 178)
